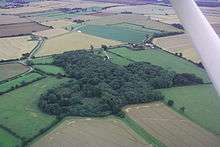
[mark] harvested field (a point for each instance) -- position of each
(10, 70)
(14, 47)
(57, 23)
(10, 19)
(169, 127)
(91, 133)
(163, 59)
(178, 44)
(20, 29)
(51, 33)
(73, 41)
(121, 32)
(201, 102)
(134, 19)
(19, 109)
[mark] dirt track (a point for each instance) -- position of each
(170, 127)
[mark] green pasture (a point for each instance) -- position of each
(50, 69)
(43, 60)
(19, 81)
(119, 33)
(19, 108)
(8, 140)
(163, 59)
(201, 102)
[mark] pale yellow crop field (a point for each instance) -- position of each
(169, 127)
(73, 41)
(87, 132)
(61, 23)
(178, 44)
(51, 33)
(14, 47)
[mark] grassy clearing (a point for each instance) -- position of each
(19, 81)
(50, 69)
(120, 33)
(141, 132)
(201, 102)
(163, 59)
(19, 109)
(43, 60)
(7, 140)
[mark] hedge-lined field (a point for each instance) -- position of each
(19, 108)
(163, 59)
(201, 102)
(50, 69)
(7, 139)
(20, 81)
(43, 60)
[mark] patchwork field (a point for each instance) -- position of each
(91, 133)
(143, 9)
(121, 32)
(8, 140)
(19, 81)
(14, 47)
(178, 44)
(10, 70)
(134, 19)
(201, 102)
(50, 69)
(19, 109)
(51, 33)
(20, 29)
(170, 127)
(163, 59)
(72, 41)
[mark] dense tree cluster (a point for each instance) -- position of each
(99, 87)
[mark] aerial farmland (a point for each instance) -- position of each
(95, 73)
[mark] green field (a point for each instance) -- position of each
(18, 81)
(163, 59)
(50, 69)
(43, 60)
(201, 102)
(7, 140)
(120, 33)
(19, 109)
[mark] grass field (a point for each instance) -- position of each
(128, 33)
(11, 70)
(87, 132)
(73, 41)
(43, 60)
(18, 81)
(169, 127)
(163, 59)
(14, 47)
(50, 69)
(19, 109)
(201, 102)
(7, 140)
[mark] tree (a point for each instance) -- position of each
(170, 103)
(182, 109)
(104, 47)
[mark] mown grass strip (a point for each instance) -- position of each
(142, 132)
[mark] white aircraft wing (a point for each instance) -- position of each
(203, 36)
